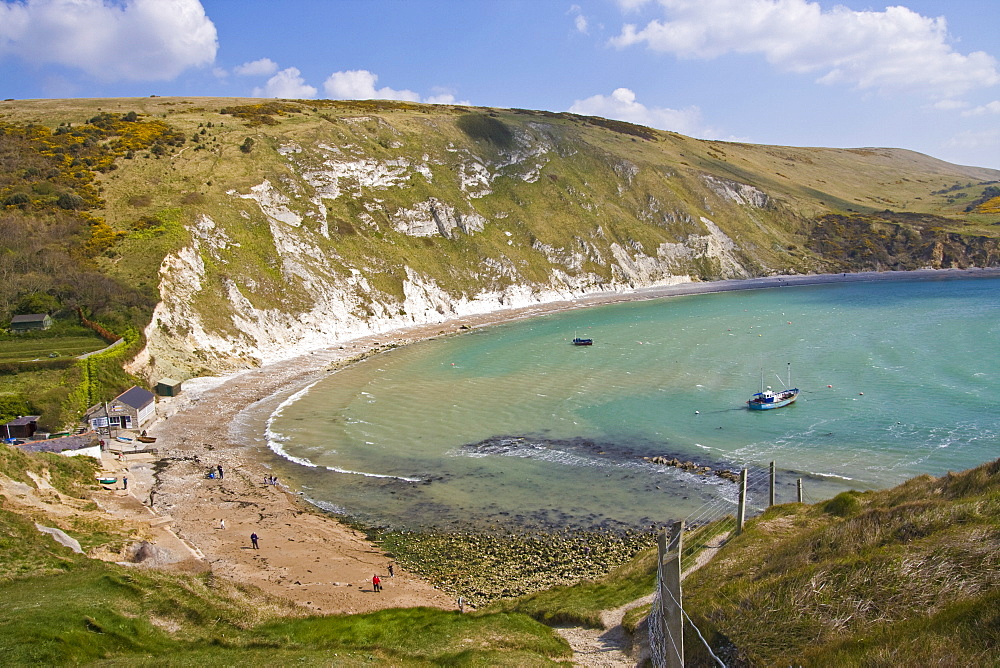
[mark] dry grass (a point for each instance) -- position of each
(900, 560)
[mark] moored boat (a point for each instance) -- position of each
(577, 341)
(768, 398)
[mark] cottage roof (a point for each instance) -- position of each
(136, 397)
(30, 317)
(27, 419)
(75, 442)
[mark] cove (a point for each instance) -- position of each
(511, 426)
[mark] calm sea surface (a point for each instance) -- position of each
(513, 426)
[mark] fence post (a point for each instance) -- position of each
(743, 503)
(672, 617)
(772, 485)
(800, 490)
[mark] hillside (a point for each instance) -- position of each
(905, 576)
(228, 233)
(900, 577)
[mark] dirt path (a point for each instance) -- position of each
(611, 647)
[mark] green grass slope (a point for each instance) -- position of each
(905, 576)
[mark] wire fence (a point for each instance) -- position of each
(708, 527)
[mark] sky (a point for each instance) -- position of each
(922, 75)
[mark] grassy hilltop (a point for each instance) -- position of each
(254, 228)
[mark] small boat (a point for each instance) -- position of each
(107, 481)
(577, 341)
(123, 439)
(146, 439)
(768, 398)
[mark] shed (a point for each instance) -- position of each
(22, 427)
(31, 321)
(168, 387)
(129, 410)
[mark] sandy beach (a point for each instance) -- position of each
(304, 554)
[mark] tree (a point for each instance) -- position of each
(36, 302)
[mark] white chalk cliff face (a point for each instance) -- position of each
(213, 319)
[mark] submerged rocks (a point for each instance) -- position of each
(692, 467)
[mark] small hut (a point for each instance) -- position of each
(29, 322)
(22, 427)
(168, 387)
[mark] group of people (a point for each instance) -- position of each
(377, 581)
(270, 480)
(215, 472)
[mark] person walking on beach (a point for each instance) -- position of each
(222, 523)
(221, 476)
(124, 482)
(376, 583)
(253, 539)
(390, 571)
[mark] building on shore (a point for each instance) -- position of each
(131, 409)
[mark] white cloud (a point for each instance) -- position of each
(360, 85)
(138, 40)
(632, 5)
(988, 108)
(581, 23)
(622, 105)
(949, 105)
(444, 96)
(896, 49)
(256, 68)
(288, 83)
(985, 141)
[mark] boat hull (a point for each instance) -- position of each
(759, 402)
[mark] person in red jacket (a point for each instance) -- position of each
(376, 583)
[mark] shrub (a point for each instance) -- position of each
(70, 201)
(844, 504)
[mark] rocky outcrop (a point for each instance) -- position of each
(692, 467)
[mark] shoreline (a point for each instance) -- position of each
(306, 554)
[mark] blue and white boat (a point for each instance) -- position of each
(768, 398)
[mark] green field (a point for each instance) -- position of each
(27, 350)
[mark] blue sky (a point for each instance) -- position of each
(923, 75)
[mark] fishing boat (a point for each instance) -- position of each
(577, 341)
(768, 398)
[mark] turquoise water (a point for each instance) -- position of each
(513, 426)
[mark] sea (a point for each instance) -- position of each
(512, 427)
